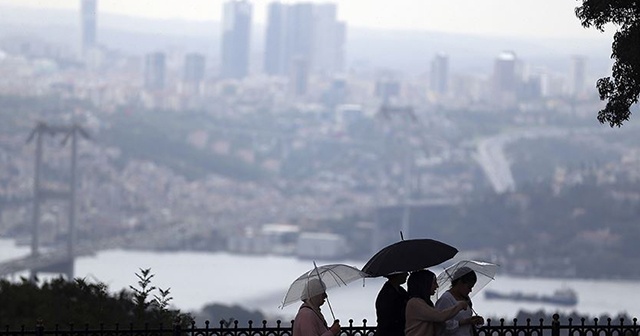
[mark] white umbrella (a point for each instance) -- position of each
(485, 272)
(329, 276)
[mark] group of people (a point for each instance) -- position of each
(403, 312)
(412, 312)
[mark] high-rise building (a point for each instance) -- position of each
(236, 37)
(154, 71)
(439, 79)
(300, 35)
(504, 71)
(274, 56)
(328, 40)
(88, 20)
(577, 75)
(193, 74)
(304, 30)
(505, 79)
(299, 76)
(194, 67)
(387, 89)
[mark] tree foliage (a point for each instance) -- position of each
(621, 90)
(78, 302)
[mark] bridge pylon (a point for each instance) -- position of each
(41, 194)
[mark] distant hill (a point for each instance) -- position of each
(403, 50)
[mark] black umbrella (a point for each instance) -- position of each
(409, 255)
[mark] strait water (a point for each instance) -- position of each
(260, 282)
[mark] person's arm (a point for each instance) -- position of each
(452, 324)
(428, 313)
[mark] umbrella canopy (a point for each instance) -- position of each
(485, 272)
(319, 279)
(409, 255)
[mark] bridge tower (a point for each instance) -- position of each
(407, 118)
(41, 194)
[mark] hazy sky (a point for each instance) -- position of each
(543, 18)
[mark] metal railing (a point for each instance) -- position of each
(582, 327)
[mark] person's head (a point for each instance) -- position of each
(463, 280)
(422, 284)
(314, 293)
(397, 279)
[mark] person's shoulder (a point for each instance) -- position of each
(445, 298)
(441, 301)
(305, 311)
(448, 295)
(413, 301)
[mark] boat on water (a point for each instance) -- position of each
(562, 296)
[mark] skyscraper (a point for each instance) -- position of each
(193, 74)
(154, 71)
(505, 79)
(304, 31)
(194, 67)
(88, 14)
(504, 71)
(300, 36)
(328, 40)
(577, 75)
(439, 80)
(274, 56)
(236, 36)
(299, 76)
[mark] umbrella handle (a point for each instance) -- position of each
(331, 309)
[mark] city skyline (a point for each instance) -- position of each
(527, 18)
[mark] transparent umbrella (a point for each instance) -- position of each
(485, 272)
(318, 280)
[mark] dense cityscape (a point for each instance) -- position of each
(272, 152)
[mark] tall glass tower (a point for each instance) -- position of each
(88, 14)
(577, 75)
(236, 37)
(440, 73)
(304, 32)
(274, 55)
(154, 71)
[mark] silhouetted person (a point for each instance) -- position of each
(309, 321)
(390, 305)
(463, 322)
(422, 318)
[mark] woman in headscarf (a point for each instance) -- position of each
(462, 324)
(309, 321)
(422, 317)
